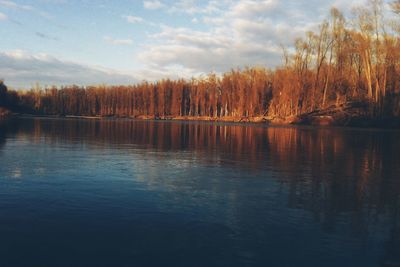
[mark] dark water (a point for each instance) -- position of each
(136, 193)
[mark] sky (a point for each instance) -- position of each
(86, 42)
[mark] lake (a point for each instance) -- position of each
(152, 193)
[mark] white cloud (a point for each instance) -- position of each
(172, 72)
(21, 69)
(13, 5)
(254, 9)
(54, 1)
(192, 7)
(3, 16)
(153, 4)
(133, 19)
(113, 41)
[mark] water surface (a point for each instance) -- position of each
(144, 193)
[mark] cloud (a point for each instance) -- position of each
(192, 7)
(118, 41)
(153, 5)
(253, 9)
(241, 36)
(133, 19)
(21, 69)
(3, 16)
(56, 2)
(13, 5)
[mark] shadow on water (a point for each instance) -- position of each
(7, 127)
(337, 175)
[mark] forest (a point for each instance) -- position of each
(346, 72)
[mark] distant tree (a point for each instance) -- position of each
(3, 93)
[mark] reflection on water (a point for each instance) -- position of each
(198, 193)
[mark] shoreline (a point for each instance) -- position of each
(316, 121)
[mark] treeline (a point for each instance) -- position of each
(9, 100)
(353, 60)
(239, 93)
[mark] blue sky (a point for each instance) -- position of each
(55, 42)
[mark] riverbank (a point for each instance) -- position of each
(350, 114)
(317, 118)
